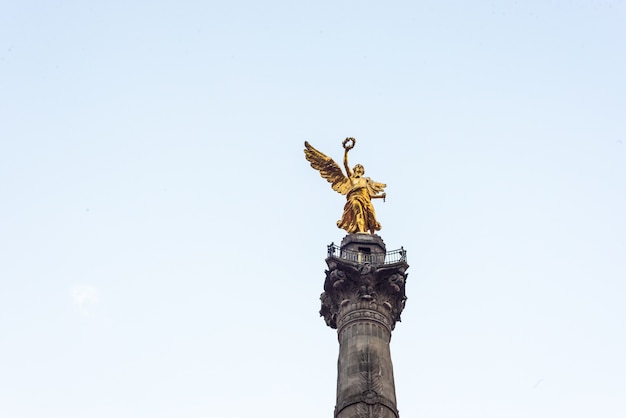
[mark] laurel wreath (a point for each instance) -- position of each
(345, 143)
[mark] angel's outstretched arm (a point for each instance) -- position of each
(345, 162)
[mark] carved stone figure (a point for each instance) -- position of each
(358, 212)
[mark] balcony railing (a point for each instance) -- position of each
(390, 257)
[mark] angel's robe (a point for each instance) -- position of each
(358, 212)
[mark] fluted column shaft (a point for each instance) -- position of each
(365, 384)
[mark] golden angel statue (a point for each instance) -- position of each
(358, 212)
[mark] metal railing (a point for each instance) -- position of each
(390, 257)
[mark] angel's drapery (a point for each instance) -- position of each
(358, 213)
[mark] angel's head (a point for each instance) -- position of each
(358, 170)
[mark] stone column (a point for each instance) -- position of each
(363, 299)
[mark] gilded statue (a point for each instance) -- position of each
(358, 212)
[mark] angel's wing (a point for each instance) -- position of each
(327, 168)
(375, 188)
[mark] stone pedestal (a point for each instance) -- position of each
(363, 299)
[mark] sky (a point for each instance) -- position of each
(162, 238)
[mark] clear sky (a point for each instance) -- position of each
(162, 238)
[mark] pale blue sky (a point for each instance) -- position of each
(162, 238)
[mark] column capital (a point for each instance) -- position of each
(366, 286)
